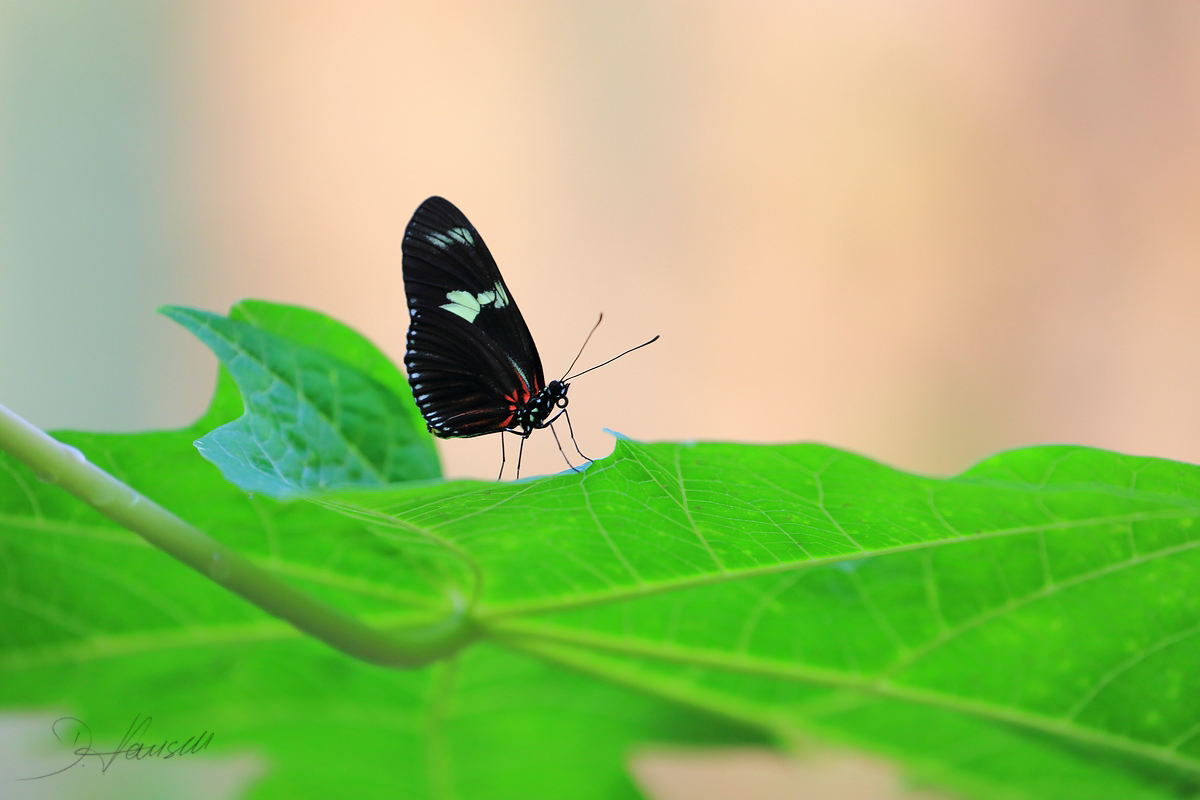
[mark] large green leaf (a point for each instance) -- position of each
(1022, 630)
(1047, 588)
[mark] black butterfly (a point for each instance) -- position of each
(471, 362)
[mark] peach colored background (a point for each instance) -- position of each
(924, 231)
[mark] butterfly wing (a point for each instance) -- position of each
(470, 359)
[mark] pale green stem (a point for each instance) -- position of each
(66, 466)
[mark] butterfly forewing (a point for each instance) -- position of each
(470, 359)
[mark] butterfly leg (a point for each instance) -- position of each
(572, 432)
(520, 450)
(560, 450)
(501, 475)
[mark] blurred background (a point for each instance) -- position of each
(925, 231)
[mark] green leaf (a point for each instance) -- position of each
(323, 408)
(1025, 630)
(946, 749)
(1031, 591)
(489, 724)
(96, 624)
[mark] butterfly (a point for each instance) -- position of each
(471, 361)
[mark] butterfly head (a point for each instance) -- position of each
(536, 413)
(556, 391)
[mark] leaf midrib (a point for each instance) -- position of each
(529, 642)
(499, 611)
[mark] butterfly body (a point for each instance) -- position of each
(471, 361)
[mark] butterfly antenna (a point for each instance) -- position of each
(585, 341)
(614, 358)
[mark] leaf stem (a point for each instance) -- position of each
(55, 462)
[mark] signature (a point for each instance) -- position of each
(80, 736)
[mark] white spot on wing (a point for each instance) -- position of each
(461, 235)
(463, 304)
(468, 306)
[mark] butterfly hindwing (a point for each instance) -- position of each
(470, 358)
